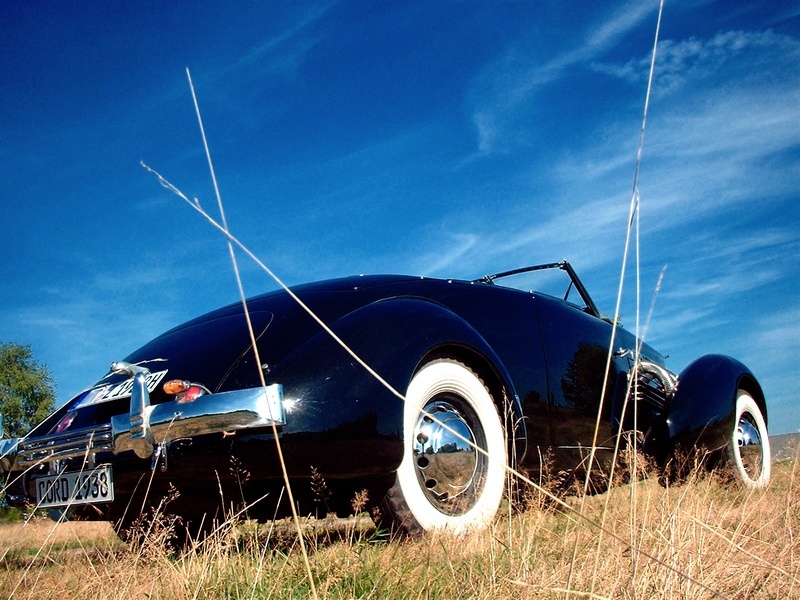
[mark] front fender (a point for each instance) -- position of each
(702, 412)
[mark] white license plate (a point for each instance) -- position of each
(67, 489)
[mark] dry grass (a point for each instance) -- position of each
(696, 540)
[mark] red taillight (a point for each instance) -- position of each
(194, 392)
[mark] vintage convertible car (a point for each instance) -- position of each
(491, 376)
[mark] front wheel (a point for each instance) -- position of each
(749, 449)
(444, 482)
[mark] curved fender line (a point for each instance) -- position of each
(393, 336)
(426, 326)
(703, 409)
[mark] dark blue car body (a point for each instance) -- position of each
(544, 361)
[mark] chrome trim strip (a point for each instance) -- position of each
(148, 425)
(212, 413)
(72, 444)
(139, 418)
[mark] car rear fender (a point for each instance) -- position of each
(327, 388)
(703, 410)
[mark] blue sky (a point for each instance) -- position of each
(447, 139)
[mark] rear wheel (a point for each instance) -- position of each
(749, 449)
(443, 482)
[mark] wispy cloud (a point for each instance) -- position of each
(454, 249)
(581, 233)
(711, 286)
(266, 50)
(689, 319)
(780, 333)
(514, 80)
(683, 62)
(770, 345)
(601, 37)
(282, 51)
(711, 152)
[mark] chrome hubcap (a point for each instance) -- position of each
(748, 443)
(447, 466)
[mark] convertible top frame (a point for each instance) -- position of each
(562, 265)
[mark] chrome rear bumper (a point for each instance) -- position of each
(147, 427)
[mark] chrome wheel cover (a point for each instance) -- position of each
(447, 465)
(749, 445)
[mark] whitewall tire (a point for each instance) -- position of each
(749, 448)
(443, 482)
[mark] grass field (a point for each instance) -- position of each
(697, 540)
